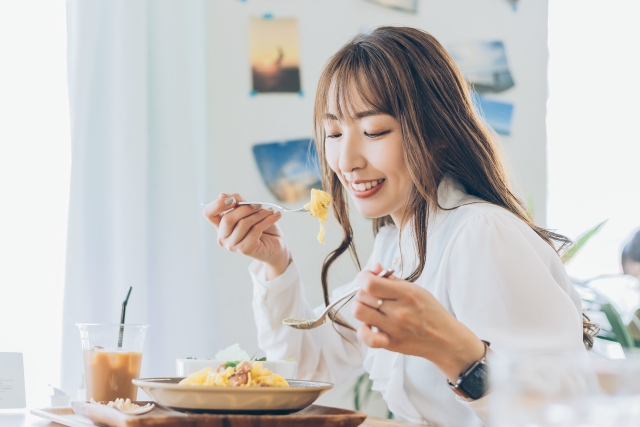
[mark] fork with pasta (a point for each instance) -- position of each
(253, 231)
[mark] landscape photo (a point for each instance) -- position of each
(274, 55)
(289, 169)
(403, 5)
(483, 64)
(497, 114)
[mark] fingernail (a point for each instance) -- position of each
(256, 206)
(229, 201)
(278, 213)
(223, 195)
(269, 209)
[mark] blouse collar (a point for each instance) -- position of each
(451, 193)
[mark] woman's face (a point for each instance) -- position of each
(366, 154)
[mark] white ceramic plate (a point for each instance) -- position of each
(273, 400)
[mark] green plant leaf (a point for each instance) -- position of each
(356, 391)
(368, 389)
(621, 331)
(580, 242)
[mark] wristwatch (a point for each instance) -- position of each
(473, 383)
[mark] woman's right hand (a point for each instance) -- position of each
(250, 231)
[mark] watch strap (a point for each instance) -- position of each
(456, 388)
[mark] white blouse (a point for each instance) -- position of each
(485, 266)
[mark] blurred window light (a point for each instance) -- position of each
(593, 138)
(34, 186)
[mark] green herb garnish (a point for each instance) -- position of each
(253, 358)
(231, 364)
(191, 358)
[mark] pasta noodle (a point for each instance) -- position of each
(245, 374)
(319, 207)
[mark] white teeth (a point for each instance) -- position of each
(363, 186)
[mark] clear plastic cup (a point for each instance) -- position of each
(108, 366)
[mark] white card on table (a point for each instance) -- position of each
(12, 381)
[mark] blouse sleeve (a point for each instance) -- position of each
(328, 353)
(322, 353)
(509, 287)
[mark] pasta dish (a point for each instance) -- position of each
(236, 374)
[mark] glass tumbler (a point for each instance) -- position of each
(112, 356)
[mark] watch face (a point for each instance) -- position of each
(475, 384)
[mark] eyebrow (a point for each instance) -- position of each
(358, 116)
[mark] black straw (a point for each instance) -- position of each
(124, 310)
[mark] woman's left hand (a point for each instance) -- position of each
(410, 320)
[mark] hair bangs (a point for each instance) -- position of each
(349, 86)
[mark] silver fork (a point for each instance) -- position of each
(298, 323)
(282, 208)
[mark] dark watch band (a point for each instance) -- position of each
(473, 383)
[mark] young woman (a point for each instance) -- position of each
(397, 135)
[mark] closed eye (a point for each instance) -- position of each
(376, 135)
(334, 135)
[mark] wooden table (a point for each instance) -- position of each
(22, 418)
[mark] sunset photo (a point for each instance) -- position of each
(274, 54)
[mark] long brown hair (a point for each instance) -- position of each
(406, 73)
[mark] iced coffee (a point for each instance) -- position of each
(112, 356)
(108, 374)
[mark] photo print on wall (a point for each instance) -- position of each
(274, 54)
(497, 114)
(289, 169)
(403, 5)
(483, 64)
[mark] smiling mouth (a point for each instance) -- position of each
(366, 185)
(366, 188)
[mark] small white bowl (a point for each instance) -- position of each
(185, 367)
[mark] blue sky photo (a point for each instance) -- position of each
(289, 168)
(496, 113)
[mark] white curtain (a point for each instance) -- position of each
(139, 110)
(34, 184)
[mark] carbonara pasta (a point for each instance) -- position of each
(230, 374)
(319, 207)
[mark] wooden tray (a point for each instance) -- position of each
(312, 416)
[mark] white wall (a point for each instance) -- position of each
(238, 120)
